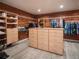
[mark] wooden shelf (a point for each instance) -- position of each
(1, 27)
(12, 18)
(11, 23)
(2, 17)
(3, 39)
(2, 21)
(1, 33)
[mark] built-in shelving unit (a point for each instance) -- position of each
(12, 21)
(12, 28)
(3, 37)
(8, 27)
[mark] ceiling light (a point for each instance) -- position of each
(61, 6)
(38, 10)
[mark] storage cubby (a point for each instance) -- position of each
(12, 28)
(11, 25)
(2, 27)
(11, 21)
(2, 14)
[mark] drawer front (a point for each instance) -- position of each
(56, 43)
(12, 35)
(33, 38)
(43, 39)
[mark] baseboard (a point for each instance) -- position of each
(70, 40)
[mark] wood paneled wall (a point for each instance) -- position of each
(22, 21)
(14, 10)
(20, 12)
(58, 14)
(69, 19)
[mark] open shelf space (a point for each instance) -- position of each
(1, 33)
(2, 21)
(1, 27)
(11, 25)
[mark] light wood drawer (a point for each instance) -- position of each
(12, 35)
(33, 38)
(43, 39)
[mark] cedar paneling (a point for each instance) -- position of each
(69, 19)
(14, 10)
(58, 14)
(23, 21)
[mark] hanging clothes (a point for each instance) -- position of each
(53, 23)
(77, 28)
(73, 29)
(62, 23)
(32, 25)
(67, 29)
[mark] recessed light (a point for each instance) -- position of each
(61, 6)
(38, 10)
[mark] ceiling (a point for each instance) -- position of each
(46, 6)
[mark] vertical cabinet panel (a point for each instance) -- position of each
(12, 35)
(56, 44)
(43, 39)
(33, 37)
(47, 39)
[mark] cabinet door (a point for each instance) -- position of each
(33, 37)
(12, 35)
(43, 39)
(56, 41)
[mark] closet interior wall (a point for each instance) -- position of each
(71, 19)
(23, 23)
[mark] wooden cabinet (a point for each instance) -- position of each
(56, 44)
(43, 39)
(12, 35)
(22, 35)
(12, 28)
(33, 37)
(8, 27)
(48, 39)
